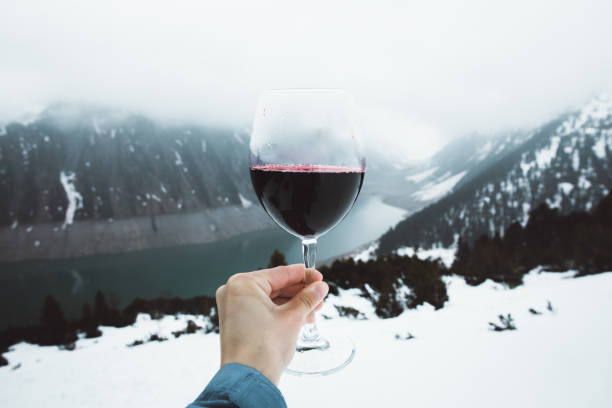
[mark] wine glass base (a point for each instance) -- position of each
(326, 360)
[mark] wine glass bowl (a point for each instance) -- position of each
(307, 168)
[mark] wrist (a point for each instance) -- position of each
(265, 366)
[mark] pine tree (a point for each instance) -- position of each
(87, 322)
(277, 259)
(463, 255)
(101, 312)
(53, 325)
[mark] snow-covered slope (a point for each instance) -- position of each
(559, 358)
(454, 165)
(567, 164)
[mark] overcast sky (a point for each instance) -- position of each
(422, 72)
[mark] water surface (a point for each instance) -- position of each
(183, 271)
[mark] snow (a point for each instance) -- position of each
(3, 131)
(556, 359)
(598, 109)
(203, 146)
(566, 187)
(163, 188)
(245, 203)
(417, 178)
(179, 159)
(576, 160)
(484, 150)
(96, 126)
(599, 148)
(75, 199)
(366, 254)
(544, 156)
(446, 255)
(14, 224)
(583, 182)
(526, 208)
(238, 138)
(436, 190)
(555, 201)
(500, 148)
(156, 198)
(525, 165)
(508, 186)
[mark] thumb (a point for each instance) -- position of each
(307, 299)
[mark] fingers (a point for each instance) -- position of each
(219, 292)
(312, 275)
(275, 279)
(289, 291)
(307, 300)
(279, 301)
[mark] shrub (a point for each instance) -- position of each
(54, 330)
(277, 259)
(87, 323)
(381, 280)
(506, 323)
(351, 312)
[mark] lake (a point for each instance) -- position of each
(182, 271)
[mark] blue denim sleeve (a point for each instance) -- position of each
(237, 385)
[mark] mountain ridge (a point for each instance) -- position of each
(565, 163)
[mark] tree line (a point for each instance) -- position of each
(392, 283)
(580, 241)
(55, 329)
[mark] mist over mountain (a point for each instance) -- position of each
(457, 163)
(79, 180)
(566, 163)
(101, 164)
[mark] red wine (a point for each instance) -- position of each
(306, 200)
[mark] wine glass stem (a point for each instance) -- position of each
(309, 338)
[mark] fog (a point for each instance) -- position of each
(421, 72)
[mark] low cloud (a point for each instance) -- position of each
(422, 73)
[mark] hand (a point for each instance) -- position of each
(261, 314)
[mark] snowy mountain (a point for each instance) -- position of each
(72, 164)
(454, 165)
(566, 163)
(82, 180)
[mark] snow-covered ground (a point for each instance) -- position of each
(446, 255)
(556, 359)
(439, 188)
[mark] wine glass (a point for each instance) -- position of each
(307, 168)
